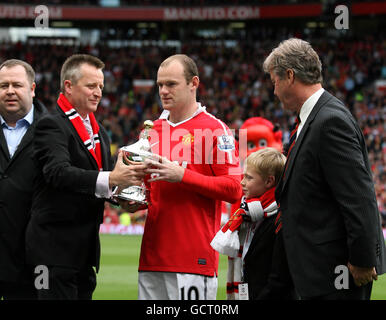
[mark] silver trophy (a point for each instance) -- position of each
(138, 152)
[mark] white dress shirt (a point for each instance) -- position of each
(102, 189)
(14, 135)
(306, 109)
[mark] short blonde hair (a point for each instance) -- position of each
(267, 162)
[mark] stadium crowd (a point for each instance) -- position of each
(233, 85)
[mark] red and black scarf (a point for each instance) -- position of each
(77, 122)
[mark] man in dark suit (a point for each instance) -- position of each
(73, 155)
(19, 112)
(331, 225)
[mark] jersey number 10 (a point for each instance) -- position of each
(192, 293)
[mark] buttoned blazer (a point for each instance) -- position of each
(265, 265)
(66, 214)
(327, 198)
(17, 176)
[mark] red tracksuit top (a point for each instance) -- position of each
(184, 217)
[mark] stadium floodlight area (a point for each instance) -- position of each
(23, 34)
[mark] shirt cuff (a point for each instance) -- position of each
(102, 189)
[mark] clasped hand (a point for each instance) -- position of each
(163, 169)
(125, 175)
(362, 276)
(160, 168)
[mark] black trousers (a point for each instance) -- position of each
(17, 291)
(353, 293)
(69, 284)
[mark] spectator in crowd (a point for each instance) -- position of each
(110, 215)
(19, 112)
(186, 190)
(326, 193)
(72, 152)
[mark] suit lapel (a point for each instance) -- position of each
(322, 100)
(28, 136)
(104, 149)
(261, 229)
(4, 146)
(25, 141)
(78, 138)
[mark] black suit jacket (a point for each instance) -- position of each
(329, 209)
(265, 265)
(17, 175)
(65, 217)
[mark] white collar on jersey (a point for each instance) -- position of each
(165, 115)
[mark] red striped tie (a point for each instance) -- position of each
(278, 223)
(292, 141)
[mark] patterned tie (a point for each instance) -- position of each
(292, 141)
(278, 222)
(87, 124)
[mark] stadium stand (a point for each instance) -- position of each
(233, 85)
(156, 2)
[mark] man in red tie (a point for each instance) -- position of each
(330, 218)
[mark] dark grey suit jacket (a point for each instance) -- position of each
(265, 265)
(327, 198)
(65, 217)
(17, 176)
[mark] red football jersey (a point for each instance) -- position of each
(184, 217)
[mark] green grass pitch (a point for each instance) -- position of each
(118, 274)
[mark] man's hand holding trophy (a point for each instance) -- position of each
(134, 198)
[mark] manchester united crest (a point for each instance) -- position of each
(187, 139)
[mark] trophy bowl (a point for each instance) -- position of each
(137, 152)
(134, 193)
